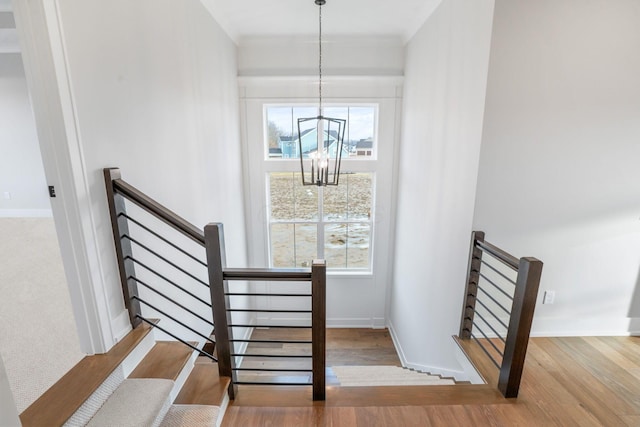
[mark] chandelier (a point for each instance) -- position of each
(320, 138)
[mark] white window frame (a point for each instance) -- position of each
(256, 92)
(321, 223)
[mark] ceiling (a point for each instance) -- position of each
(246, 18)
(250, 18)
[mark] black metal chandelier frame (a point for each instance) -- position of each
(323, 169)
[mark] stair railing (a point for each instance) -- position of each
(229, 346)
(156, 266)
(219, 294)
(498, 308)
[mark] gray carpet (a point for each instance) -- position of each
(38, 338)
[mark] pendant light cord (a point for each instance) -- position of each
(320, 59)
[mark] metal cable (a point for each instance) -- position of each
(496, 286)
(500, 273)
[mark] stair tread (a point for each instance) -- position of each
(62, 400)
(165, 360)
(191, 415)
(204, 386)
(479, 360)
(136, 402)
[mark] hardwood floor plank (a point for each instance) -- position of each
(566, 382)
(165, 360)
(366, 396)
(615, 352)
(632, 420)
(204, 386)
(336, 417)
(345, 346)
(519, 414)
(405, 416)
(616, 379)
(597, 398)
(538, 384)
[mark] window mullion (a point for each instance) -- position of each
(320, 236)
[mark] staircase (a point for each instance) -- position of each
(372, 376)
(140, 382)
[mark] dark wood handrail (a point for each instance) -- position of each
(506, 258)
(169, 217)
(268, 274)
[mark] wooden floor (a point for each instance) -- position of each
(585, 381)
(344, 347)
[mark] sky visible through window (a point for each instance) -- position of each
(282, 122)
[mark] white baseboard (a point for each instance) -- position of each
(121, 325)
(585, 326)
(435, 370)
(396, 344)
(26, 213)
(364, 322)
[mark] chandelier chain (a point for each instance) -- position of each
(320, 59)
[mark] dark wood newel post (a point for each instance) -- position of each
(216, 261)
(318, 326)
(120, 228)
(524, 303)
(471, 289)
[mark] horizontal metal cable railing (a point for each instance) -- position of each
(162, 271)
(236, 323)
(301, 346)
(162, 276)
(498, 308)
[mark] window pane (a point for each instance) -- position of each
(282, 129)
(347, 245)
(293, 245)
(351, 199)
(360, 189)
(290, 200)
(362, 131)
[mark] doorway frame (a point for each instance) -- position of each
(40, 32)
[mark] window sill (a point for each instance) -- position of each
(350, 274)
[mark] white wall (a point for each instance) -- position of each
(21, 171)
(154, 92)
(445, 80)
(341, 56)
(559, 164)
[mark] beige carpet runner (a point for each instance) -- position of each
(191, 416)
(370, 376)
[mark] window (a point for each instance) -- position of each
(282, 130)
(307, 222)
